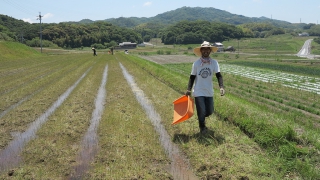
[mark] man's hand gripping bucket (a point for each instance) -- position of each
(183, 109)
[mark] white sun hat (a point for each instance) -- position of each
(204, 44)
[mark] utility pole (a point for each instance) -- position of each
(238, 47)
(21, 37)
(39, 18)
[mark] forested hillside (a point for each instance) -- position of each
(193, 32)
(66, 35)
(199, 13)
(184, 25)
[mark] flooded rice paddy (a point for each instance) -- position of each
(89, 145)
(179, 167)
(80, 111)
(10, 156)
(81, 162)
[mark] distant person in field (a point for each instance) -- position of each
(111, 50)
(94, 51)
(201, 76)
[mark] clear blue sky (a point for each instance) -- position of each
(55, 11)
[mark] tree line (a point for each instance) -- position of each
(102, 34)
(195, 32)
(99, 34)
(66, 35)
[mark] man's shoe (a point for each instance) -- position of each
(203, 130)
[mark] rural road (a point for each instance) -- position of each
(305, 50)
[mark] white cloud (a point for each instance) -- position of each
(257, 1)
(147, 4)
(27, 20)
(48, 15)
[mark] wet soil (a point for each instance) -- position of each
(179, 168)
(10, 156)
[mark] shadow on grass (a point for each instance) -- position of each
(210, 138)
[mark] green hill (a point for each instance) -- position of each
(198, 13)
(14, 50)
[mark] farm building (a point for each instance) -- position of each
(304, 34)
(219, 46)
(128, 45)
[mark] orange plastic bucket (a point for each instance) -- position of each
(183, 109)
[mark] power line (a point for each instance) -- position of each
(18, 6)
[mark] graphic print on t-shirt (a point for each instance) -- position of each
(205, 72)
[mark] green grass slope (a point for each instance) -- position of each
(15, 50)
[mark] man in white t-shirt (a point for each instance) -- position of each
(201, 76)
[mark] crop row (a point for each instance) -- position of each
(21, 107)
(301, 107)
(306, 83)
(273, 97)
(272, 89)
(63, 107)
(17, 90)
(293, 68)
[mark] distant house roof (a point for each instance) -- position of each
(217, 44)
(127, 45)
(304, 34)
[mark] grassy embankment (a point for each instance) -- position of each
(11, 51)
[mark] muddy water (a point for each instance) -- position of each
(10, 156)
(89, 145)
(179, 167)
